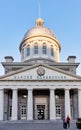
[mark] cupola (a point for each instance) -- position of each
(40, 42)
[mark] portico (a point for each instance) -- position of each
(36, 104)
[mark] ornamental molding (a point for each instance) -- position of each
(41, 71)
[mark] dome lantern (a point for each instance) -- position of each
(39, 22)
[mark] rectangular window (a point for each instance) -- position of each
(52, 52)
(35, 49)
(28, 51)
(23, 111)
(22, 53)
(44, 49)
(10, 111)
(58, 111)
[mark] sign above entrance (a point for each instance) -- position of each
(41, 73)
(48, 77)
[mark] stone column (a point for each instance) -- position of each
(40, 48)
(30, 105)
(49, 51)
(1, 103)
(79, 102)
(56, 55)
(14, 104)
(52, 105)
(31, 50)
(67, 103)
(25, 52)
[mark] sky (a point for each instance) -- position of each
(63, 17)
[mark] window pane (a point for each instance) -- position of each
(10, 111)
(52, 52)
(22, 53)
(44, 49)
(35, 49)
(28, 50)
(58, 111)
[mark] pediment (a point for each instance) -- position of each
(40, 72)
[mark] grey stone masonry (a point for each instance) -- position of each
(35, 125)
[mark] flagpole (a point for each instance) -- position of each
(39, 9)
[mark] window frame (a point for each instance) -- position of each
(52, 51)
(28, 50)
(44, 49)
(36, 48)
(22, 52)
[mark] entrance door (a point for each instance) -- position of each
(23, 112)
(41, 112)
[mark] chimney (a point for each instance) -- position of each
(71, 59)
(9, 58)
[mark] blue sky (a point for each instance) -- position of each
(63, 17)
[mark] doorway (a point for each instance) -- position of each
(23, 112)
(58, 111)
(41, 112)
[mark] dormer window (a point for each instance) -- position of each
(44, 49)
(36, 49)
(28, 50)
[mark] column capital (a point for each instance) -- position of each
(66, 89)
(30, 89)
(14, 89)
(79, 89)
(1, 89)
(52, 89)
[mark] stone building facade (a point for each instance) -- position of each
(40, 87)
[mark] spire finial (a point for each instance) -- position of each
(40, 22)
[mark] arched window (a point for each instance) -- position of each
(28, 50)
(36, 49)
(52, 51)
(44, 49)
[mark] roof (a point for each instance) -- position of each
(39, 30)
